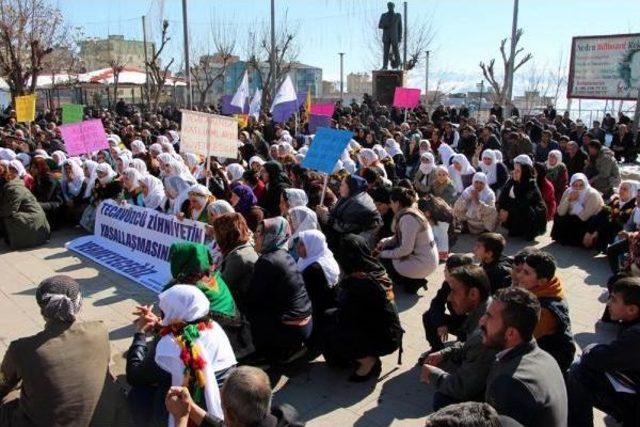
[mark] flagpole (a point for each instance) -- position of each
(324, 189)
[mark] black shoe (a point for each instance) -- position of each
(411, 286)
(373, 373)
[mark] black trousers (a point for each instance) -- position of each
(431, 321)
(385, 55)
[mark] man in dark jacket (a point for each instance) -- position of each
(488, 250)
(576, 158)
(525, 382)
(622, 145)
(489, 139)
(467, 363)
(604, 371)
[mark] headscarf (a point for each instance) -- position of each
(7, 154)
(276, 174)
(134, 176)
(355, 257)
(59, 156)
(446, 153)
(192, 161)
(486, 196)
(16, 165)
(492, 170)
(246, 196)
(392, 147)
(137, 147)
(181, 189)
(155, 191)
(139, 165)
(347, 162)
(91, 168)
(357, 185)
(498, 154)
(315, 244)
(423, 146)
(275, 234)
(105, 168)
(24, 158)
(156, 149)
(427, 168)
(380, 152)
(367, 157)
(578, 205)
(59, 298)
(456, 176)
(296, 197)
(235, 171)
(72, 187)
(302, 218)
(558, 156)
(633, 186)
(523, 159)
(205, 349)
(220, 207)
(256, 159)
(201, 193)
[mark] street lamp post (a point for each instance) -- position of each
(481, 87)
(341, 74)
(426, 83)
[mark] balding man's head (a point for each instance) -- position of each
(246, 396)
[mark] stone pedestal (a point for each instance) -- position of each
(385, 83)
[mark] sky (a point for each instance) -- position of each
(465, 32)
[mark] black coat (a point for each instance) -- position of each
(527, 211)
(576, 163)
(499, 273)
(271, 200)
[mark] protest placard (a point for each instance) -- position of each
(323, 109)
(84, 137)
(72, 113)
(134, 242)
(406, 97)
(242, 119)
(209, 134)
(26, 108)
(326, 149)
(317, 121)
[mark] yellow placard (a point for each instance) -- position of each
(26, 108)
(243, 120)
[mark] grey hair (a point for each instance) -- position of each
(247, 395)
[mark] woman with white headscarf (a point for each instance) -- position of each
(256, 163)
(446, 153)
(235, 171)
(426, 174)
(557, 173)
(291, 198)
(461, 172)
(618, 212)
(137, 148)
(140, 166)
(176, 190)
(475, 209)
(123, 162)
(59, 157)
(580, 204)
(189, 330)
(301, 218)
(496, 172)
(19, 168)
(347, 162)
(132, 194)
(199, 198)
(521, 208)
(106, 186)
(152, 191)
(392, 147)
(369, 160)
(192, 161)
(73, 183)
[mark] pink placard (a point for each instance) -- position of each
(406, 97)
(84, 137)
(323, 109)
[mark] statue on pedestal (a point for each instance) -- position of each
(391, 26)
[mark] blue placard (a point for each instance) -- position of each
(326, 149)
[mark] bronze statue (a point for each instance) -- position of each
(391, 26)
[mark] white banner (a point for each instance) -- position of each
(605, 67)
(135, 242)
(203, 134)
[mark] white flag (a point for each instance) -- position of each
(286, 93)
(256, 104)
(240, 98)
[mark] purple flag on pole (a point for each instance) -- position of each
(227, 108)
(282, 112)
(302, 98)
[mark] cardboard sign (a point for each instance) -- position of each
(135, 241)
(326, 149)
(26, 108)
(72, 113)
(318, 121)
(209, 134)
(84, 137)
(323, 109)
(406, 98)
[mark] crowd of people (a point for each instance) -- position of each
(291, 269)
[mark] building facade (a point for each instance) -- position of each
(359, 83)
(98, 53)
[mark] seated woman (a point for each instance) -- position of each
(301, 218)
(320, 272)
(461, 172)
(443, 186)
(132, 192)
(546, 189)
(369, 160)
(214, 210)
(426, 174)
(199, 198)
(291, 198)
(365, 325)
(278, 305)
(73, 189)
(410, 255)
(618, 211)
(48, 190)
(176, 191)
(236, 268)
(521, 209)
(276, 181)
(475, 210)
(355, 213)
(24, 223)
(557, 174)
(38, 367)
(579, 205)
(152, 192)
(105, 187)
(440, 217)
(242, 198)
(496, 172)
(194, 349)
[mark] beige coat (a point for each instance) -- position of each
(592, 205)
(412, 247)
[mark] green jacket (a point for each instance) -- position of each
(24, 221)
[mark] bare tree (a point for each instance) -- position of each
(156, 70)
(207, 69)
(420, 36)
(117, 66)
(501, 88)
(258, 52)
(29, 30)
(559, 77)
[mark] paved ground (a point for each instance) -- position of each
(321, 395)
